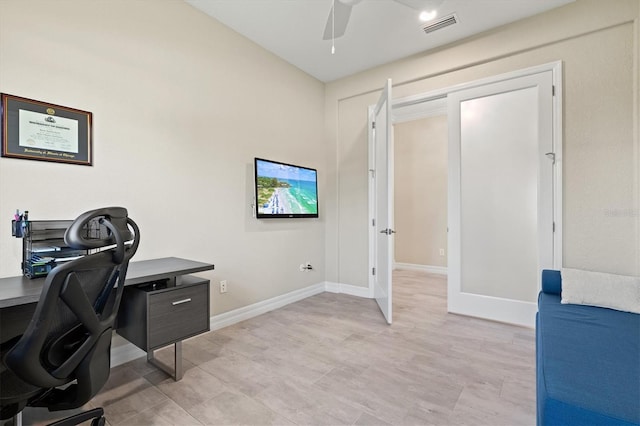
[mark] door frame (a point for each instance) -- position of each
(403, 109)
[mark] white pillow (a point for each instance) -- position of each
(620, 292)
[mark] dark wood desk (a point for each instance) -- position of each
(19, 295)
(22, 290)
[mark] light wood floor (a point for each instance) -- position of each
(331, 359)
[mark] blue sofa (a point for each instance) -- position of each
(587, 362)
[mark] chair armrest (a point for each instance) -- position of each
(551, 281)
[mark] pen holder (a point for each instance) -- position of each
(17, 228)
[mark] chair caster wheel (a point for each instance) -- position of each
(100, 421)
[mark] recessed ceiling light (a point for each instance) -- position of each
(428, 15)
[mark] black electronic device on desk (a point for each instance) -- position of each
(43, 246)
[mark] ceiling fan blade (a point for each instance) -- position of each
(343, 12)
(421, 4)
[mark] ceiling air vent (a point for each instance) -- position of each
(441, 23)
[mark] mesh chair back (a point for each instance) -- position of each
(69, 336)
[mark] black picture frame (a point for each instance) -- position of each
(35, 130)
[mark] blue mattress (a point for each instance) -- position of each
(587, 361)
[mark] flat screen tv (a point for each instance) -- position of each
(284, 190)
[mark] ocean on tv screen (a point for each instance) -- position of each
(287, 197)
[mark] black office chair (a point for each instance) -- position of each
(69, 337)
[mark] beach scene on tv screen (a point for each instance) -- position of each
(284, 189)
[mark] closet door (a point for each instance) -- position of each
(500, 197)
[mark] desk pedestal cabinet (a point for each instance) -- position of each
(158, 314)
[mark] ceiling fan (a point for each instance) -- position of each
(341, 12)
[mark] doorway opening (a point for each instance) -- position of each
(420, 142)
(420, 187)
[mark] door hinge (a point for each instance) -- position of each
(373, 271)
(373, 173)
(373, 125)
(553, 227)
(373, 222)
(551, 156)
(553, 90)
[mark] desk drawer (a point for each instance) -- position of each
(177, 314)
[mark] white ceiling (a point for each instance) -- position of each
(379, 31)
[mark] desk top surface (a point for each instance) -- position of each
(21, 290)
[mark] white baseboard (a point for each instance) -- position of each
(235, 316)
(128, 351)
(352, 290)
(440, 270)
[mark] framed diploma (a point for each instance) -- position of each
(35, 130)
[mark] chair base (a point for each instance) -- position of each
(96, 416)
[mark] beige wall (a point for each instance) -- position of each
(597, 43)
(420, 191)
(181, 105)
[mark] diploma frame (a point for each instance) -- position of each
(35, 130)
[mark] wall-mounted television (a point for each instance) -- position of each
(284, 190)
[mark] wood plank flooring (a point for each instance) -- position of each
(331, 359)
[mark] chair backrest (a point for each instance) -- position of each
(69, 336)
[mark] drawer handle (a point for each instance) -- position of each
(179, 302)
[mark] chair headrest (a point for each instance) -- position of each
(115, 219)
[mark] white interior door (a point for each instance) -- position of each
(381, 168)
(500, 197)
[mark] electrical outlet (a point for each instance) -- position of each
(441, 252)
(223, 286)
